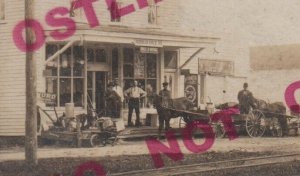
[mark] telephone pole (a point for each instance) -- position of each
(31, 94)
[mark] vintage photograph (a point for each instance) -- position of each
(149, 87)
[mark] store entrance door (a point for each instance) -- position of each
(97, 81)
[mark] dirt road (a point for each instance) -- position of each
(242, 144)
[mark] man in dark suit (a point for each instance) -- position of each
(246, 100)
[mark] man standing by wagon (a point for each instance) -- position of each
(134, 94)
(119, 91)
(246, 99)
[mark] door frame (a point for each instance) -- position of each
(93, 98)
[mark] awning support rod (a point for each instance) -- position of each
(70, 43)
(191, 58)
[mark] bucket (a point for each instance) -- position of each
(69, 109)
(210, 108)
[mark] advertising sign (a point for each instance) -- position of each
(191, 88)
(218, 67)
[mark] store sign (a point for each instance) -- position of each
(149, 50)
(191, 88)
(219, 67)
(148, 42)
(47, 97)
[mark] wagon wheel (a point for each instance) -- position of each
(255, 123)
(219, 130)
(97, 140)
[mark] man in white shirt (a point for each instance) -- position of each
(134, 94)
(119, 90)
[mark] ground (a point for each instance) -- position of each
(134, 155)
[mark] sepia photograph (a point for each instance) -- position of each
(149, 87)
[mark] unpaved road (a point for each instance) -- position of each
(243, 144)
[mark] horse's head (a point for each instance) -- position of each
(259, 104)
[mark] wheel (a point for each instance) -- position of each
(219, 130)
(97, 140)
(255, 123)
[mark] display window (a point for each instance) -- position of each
(65, 75)
(142, 67)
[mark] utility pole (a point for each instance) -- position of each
(31, 94)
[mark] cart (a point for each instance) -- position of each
(93, 131)
(258, 121)
(203, 115)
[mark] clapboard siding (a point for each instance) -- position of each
(167, 11)
(12, 61)
(12, 71)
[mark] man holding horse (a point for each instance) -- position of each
(165, 95)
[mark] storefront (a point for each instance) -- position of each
(78, 70)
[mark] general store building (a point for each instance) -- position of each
(149, 45)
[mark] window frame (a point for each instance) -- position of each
(146, 79)
(2, 7)
(177, 60)
(153, 7)
(117, 20)
(57, 77)
(95, 48)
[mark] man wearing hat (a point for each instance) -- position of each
(165, 94)
(245, 98)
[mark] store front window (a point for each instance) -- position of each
(65, 75)
(143, 68)
(170, 59)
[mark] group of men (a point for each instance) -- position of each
(115, 98)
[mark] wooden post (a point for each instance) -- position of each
(31, 95)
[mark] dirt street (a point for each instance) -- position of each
(243, 144)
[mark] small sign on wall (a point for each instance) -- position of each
(149, 50)
(218, 67)
(191, 88)
(47, 98)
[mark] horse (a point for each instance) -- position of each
(166, 113)
(276, 109)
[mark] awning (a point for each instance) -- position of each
(140, 37)
(143, 37)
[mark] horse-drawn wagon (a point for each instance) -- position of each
(271, 117)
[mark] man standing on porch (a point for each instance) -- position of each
(119, 90)
(134, 94)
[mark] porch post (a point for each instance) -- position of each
(162, 68)
(85, 76)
